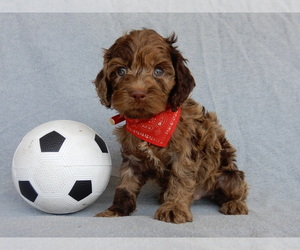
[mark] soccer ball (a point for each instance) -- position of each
(61, 167)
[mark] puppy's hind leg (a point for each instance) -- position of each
(231, 192)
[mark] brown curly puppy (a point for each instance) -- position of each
(168, 137)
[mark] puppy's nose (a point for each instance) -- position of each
(138, 95)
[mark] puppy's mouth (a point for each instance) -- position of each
(143, 110)
(138, 113)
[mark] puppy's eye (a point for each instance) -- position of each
(121, 71)
(158, 71)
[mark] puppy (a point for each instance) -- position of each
(168, 137)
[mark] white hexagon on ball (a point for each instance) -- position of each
(61, 167)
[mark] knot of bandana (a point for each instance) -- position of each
(157, 130)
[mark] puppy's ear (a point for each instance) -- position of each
(104, 88)
(184, 81)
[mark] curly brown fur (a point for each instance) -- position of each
(144, 73)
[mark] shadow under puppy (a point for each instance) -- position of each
(168, 137)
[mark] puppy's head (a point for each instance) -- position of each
(143, 74)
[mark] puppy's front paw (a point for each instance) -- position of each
(234, 208)
(174, 214)
(107, 213)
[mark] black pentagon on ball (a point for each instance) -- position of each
(101, 144)
(81, 189)
(27, 190)
(51, 142)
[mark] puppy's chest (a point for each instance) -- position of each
(137, 150)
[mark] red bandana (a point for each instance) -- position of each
(158, 130)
